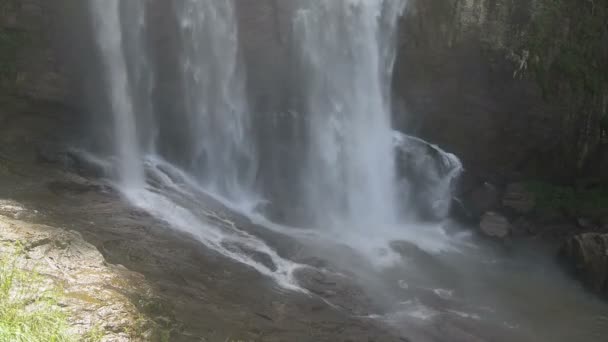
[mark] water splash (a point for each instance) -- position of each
(217, 122)
(347, 54)
(108, 28)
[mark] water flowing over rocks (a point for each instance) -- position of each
(427, 175)
(587, 256)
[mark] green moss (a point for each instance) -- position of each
(567, 41)
(560, 197)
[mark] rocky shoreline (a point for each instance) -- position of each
(576, 220)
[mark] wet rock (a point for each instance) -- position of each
(426, 175)
(459, 211)
(586, 223)
(495, 225)
(519, 199)
(524, 227)
(65, 187)
(587, 256)
(257, 256)
(484, 198)
(340, 290)
(272, 212)
(70, 160)
(409, 250)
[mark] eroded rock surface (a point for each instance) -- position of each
(587, 255)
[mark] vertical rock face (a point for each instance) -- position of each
(587, 255)
(460, 87)
(28, 65)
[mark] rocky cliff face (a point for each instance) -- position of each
(464, 81)
(28, 64)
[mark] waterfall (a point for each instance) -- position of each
(217, 120)
(213, 125)
(209, 122)
(184, 133)
(347, 52)
(109, 30)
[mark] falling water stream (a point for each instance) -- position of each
(349, 184)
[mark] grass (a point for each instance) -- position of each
(28, 313)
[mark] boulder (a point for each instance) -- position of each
(587, 256)
(495, 225)
(426, 174)
(519, 199)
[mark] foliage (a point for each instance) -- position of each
(558, 197)
(28, 314)
(567, 45)
(11, 41)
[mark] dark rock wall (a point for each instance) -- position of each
(456, 86)
(28, 64)
(464, 81)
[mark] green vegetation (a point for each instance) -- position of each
(27, 312)
(12, 41)
(559, 197)
(567, 44)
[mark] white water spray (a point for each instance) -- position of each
(217, 116)
(108, 28)
(347, 53)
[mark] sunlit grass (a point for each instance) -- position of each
(28, 311)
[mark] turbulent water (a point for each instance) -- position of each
(347, 52)
(183, 130)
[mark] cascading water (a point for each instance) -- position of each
(217, 118)
(170, 157)
(347, 52)
(108, 28)
(217, 154)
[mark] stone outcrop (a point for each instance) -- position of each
(587, 256)
(461, 87)
(495, 225)
(427, 175)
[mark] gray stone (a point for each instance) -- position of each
(495, 225)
